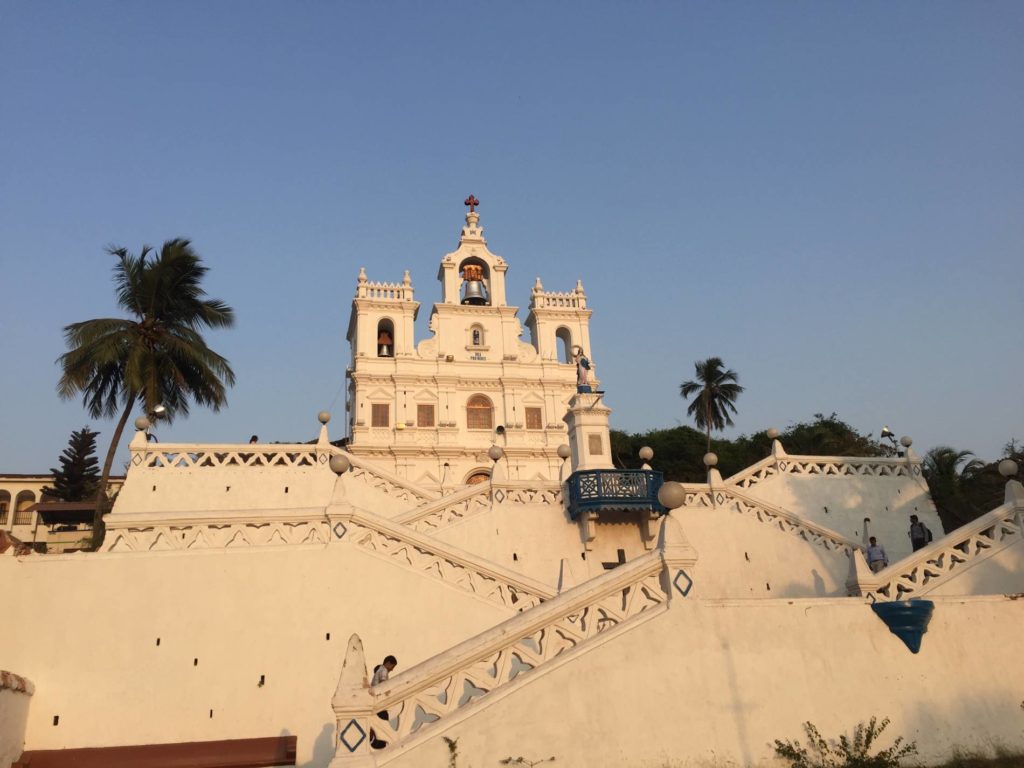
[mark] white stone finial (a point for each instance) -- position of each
(407, 279)
(362, 274)
(538, 286)
(579, 286)
(671, 495)
(676, 550)
(646, 454)
(353, 672)
(566, 577)
(860, 575)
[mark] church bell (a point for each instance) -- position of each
(474, 292)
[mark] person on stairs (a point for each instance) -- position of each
(877, 559)
(380, 675)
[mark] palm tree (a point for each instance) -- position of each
(949, 483)
(716, 392)
(155, 357)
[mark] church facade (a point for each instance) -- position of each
(429, 410)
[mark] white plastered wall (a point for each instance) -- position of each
(713, 684)
(888, 501)
(744, 557)
(230, 488)
(241, 614)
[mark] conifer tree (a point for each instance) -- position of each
(79, 475)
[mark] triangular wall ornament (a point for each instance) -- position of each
(907, 619)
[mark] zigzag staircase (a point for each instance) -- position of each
(450, 687)
(475, 499)
(424, 554)
(946, 558)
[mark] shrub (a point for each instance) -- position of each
(846, 753)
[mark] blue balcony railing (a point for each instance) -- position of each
(610, 490)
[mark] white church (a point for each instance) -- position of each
(539, 602)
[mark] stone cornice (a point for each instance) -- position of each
(475, 309)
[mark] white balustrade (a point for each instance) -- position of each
(824, 466)
(927, 568)
(404, 546)
(475, 499)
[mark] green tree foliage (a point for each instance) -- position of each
(846, 752)
(829, 436)
(156, 356)
(79, 474)
(679, 452)
(716, 391)
(962, 487)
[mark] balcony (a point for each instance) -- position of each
(614, 490)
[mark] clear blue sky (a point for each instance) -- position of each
(829, 196)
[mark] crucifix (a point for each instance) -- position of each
(472, 202)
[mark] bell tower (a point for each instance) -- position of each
(381, 334)
(432, 410)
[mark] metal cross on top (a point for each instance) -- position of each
(472, 202)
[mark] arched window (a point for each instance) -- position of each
(564, 337)
(476, 336)
(5, 506)
(479, 413)
(478, 476)
(385, 338)
(21, 514)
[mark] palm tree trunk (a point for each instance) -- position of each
(102, 502)
(708, 416)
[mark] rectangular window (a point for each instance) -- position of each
(424, 415)
(534, 418)
(3, 513)
(594, 443)
(381, 416)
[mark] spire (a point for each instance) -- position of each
(472, 232)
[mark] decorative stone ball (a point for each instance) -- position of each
(1008, 467)
(495, 452)
(142, 423)
(564, 451)
(671, 495)
(772, 433)
(646, 453)
(324, 416)
(710, 460)
(906, 441)
(340, 464)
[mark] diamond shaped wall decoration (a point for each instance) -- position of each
(499, 495)
(689, 582)
(339, 530)
(345, 737)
